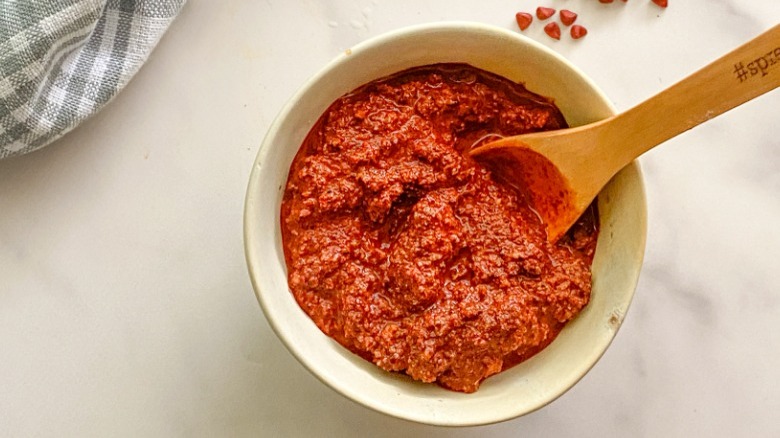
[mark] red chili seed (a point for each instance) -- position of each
(567, 17)
(544, 13)
(552, 30)
(578, 32)
(524, 20)
(661, 3)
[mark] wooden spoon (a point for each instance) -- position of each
(563, 170)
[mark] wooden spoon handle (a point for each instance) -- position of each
(739, 76)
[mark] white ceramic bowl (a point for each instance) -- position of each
(525, 387)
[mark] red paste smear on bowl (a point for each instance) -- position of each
(409, 253)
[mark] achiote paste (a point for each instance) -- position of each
(409, 253)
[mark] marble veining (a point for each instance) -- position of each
(126, 309)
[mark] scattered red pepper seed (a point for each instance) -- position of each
(553, 30)
(524, 20)
(567, 17)
(544, 13)
(578, 31)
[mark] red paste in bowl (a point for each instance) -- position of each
(411, 254)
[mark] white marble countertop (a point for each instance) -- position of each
(125, 305)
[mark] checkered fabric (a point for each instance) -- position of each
(62, 60)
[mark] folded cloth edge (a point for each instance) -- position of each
(63, 61)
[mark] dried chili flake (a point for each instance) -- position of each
(553, 30)
(524, 20)
(578, 31)
(661, 3)
(567, 17)
(544, 13)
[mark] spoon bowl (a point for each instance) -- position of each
(564, 170)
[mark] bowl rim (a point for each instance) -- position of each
(250, 206)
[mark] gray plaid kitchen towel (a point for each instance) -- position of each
(62, 60)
